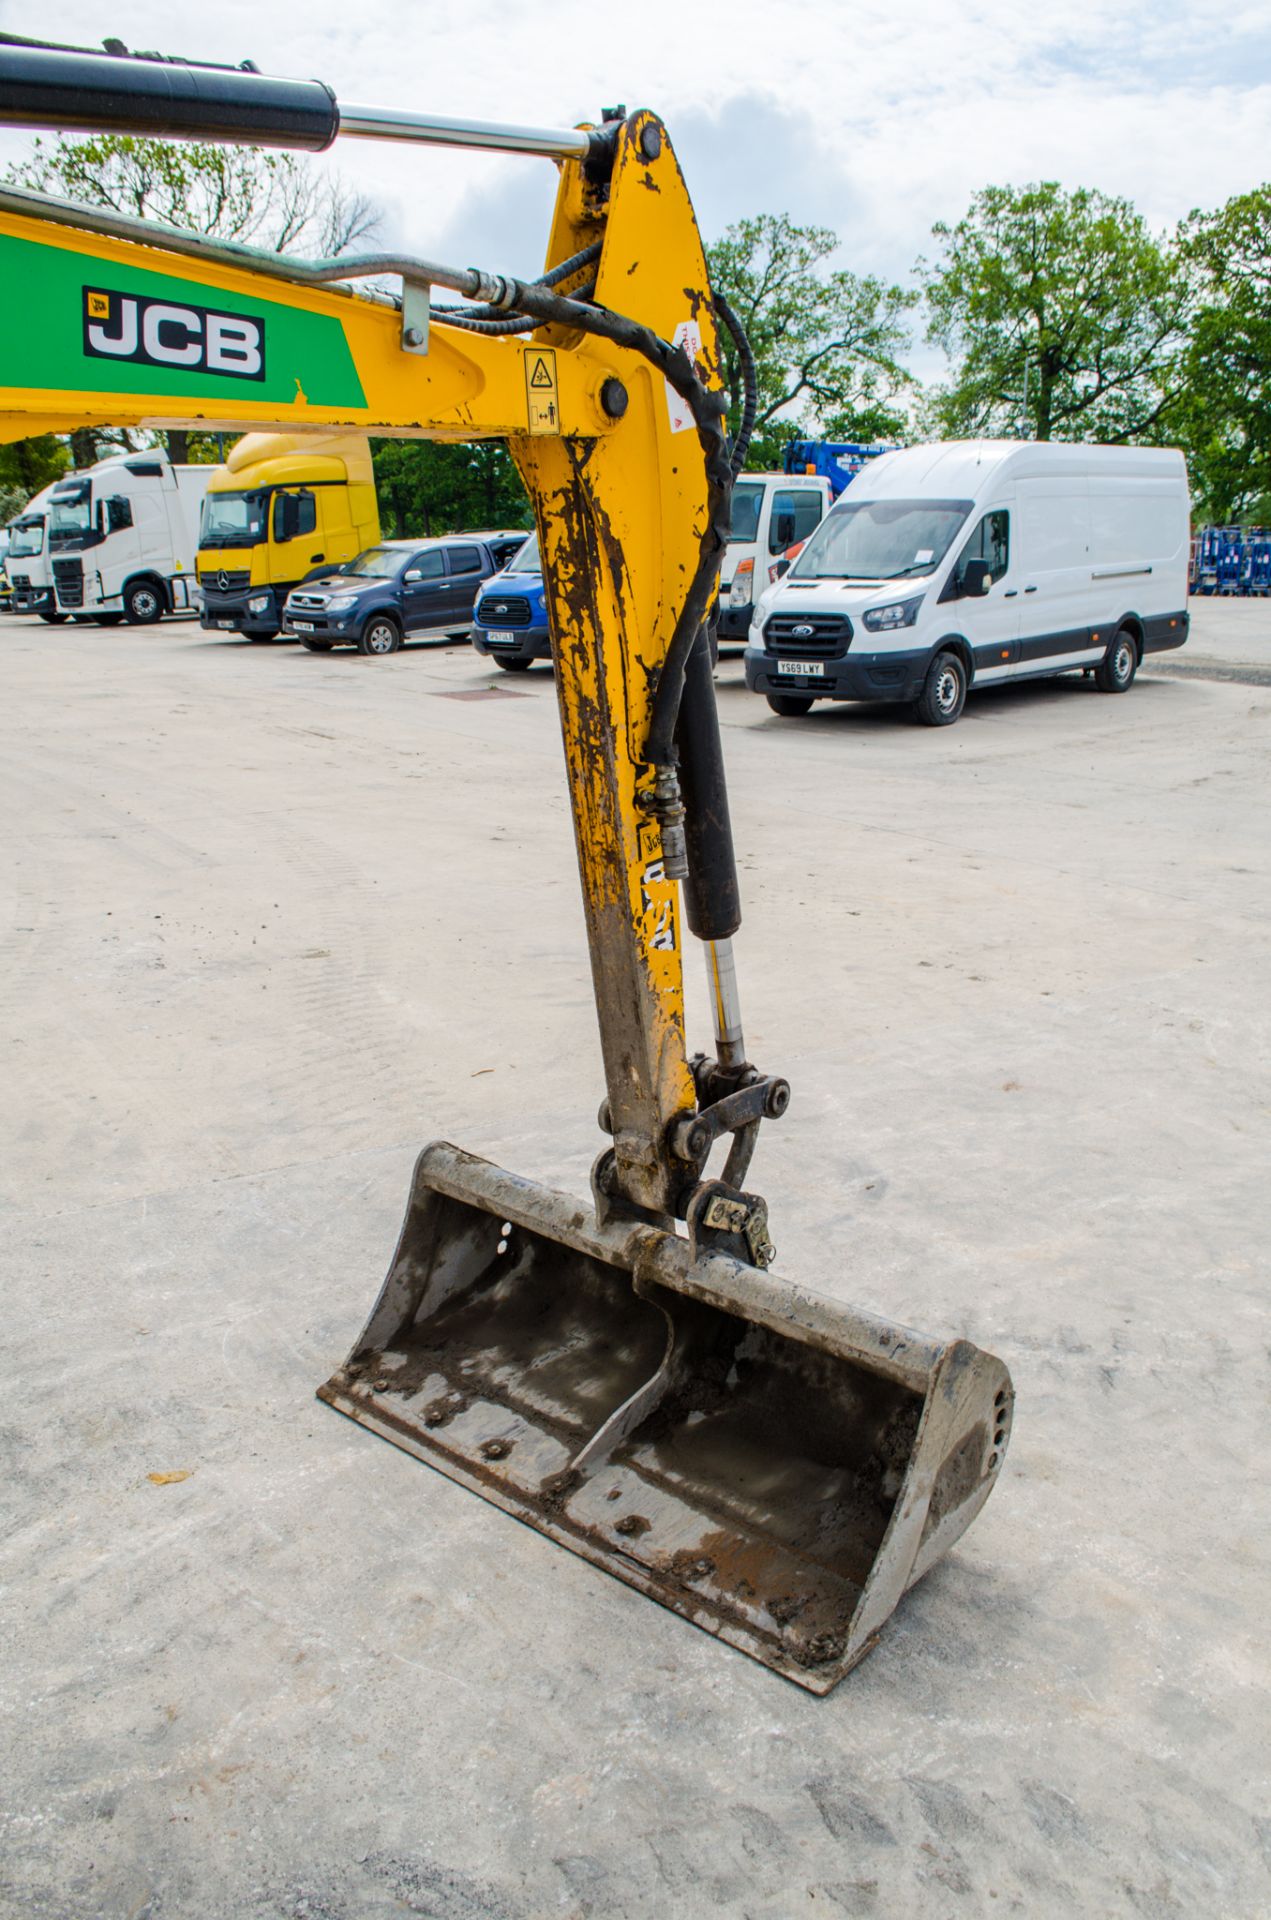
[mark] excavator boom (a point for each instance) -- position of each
(624, 1375)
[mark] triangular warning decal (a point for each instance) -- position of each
(540, 376)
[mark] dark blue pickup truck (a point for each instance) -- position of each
(396, 591)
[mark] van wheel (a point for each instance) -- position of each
(512, 665)
(1116, 671)
(943, 693)
(791, 706)
(143, 603)
(379, 636)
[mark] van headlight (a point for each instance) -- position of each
(897, 613)
(258, 603)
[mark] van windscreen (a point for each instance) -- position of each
(881, 539)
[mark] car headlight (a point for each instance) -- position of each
(258, 603)
(342, 603)
(897, 613)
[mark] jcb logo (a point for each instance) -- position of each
(159, 333)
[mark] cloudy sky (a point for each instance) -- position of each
(873, 117)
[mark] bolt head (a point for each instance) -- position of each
(651, 142)
(614, 399)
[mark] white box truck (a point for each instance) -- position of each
(961, 565)
(30, 578)
(123, 535)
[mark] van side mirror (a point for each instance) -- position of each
(977, 577)
(785, 529)
(412, 573)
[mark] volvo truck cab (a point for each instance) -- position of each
(122, 537)
(27, 562)
(282, 505)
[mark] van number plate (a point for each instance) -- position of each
(803, 666)
(501, 639)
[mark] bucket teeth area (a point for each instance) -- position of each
(777, 1479)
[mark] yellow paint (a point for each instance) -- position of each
(620, 507)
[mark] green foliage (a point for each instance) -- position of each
(27, 466)
(1223, 415)
(274, 200)
(426, 487)
(1067, 295)
(826, 342)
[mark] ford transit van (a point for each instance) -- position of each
(960, 565)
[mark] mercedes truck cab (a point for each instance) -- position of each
(282, 505)
(967, 564)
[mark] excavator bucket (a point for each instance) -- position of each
(772, 1465)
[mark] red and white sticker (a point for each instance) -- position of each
(689, 336)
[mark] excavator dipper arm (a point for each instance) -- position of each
(773, 1465)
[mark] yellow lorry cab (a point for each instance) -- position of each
(282, 504)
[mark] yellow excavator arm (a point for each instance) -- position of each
(629, 1378)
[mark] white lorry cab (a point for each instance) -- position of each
(30, 579)
(965, 564)
(771, 511)
(123, 536)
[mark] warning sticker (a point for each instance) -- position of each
(541, 392)
(689, 336)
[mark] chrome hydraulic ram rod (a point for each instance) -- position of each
(74, 91)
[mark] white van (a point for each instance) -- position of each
(771, 511)
(960, 565)
(123, 535)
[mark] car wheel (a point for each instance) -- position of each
(143, 604)
(791, 706)
(379, 636)
(943, 693)
(512, 665)
(53, 619)
(1115, 672)
(317, 646)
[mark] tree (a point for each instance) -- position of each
(427, 487)
(27, 466)
(1063, 316)
(826, 342)
(1223, 415)
(271, 200)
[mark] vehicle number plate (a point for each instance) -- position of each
(227, 624)
(302, 626)
(501, 639)
(803, 666)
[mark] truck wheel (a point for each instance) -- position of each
(791, 706)
(1120, 663)
(379, 636)
(143, 603)
(316, 646)
(512, 666)
(943, 693)
(53, 619)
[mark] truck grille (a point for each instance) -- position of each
(808, 634)
(68, 578)
(504, 610)
(225, 579)
(20, 582)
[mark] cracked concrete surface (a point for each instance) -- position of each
(276, 920)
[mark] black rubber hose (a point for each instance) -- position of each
(712, 897)
(750, 382)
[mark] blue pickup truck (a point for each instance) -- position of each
(509, 621)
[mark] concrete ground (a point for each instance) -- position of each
(278, 920)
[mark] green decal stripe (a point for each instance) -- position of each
(42, 334)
